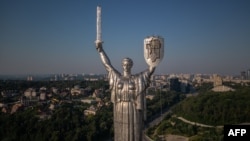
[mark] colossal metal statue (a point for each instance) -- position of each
(127, 90)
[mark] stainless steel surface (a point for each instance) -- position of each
(128, 97)
(153, 50)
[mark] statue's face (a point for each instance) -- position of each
(126, 65)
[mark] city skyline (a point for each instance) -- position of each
(46, 37)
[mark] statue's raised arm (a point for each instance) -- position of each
(104, 57)
(151, 70)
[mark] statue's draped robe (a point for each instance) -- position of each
(128, 97)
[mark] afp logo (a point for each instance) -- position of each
(241, 132)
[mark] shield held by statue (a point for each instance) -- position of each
(153, 50)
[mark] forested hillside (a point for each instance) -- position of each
(208, 107)
(217, 108)
(66, 124)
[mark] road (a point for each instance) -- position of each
(158, 118)
(198, 124)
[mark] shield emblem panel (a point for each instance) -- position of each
(153, 50)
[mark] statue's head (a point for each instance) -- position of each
(127, 64)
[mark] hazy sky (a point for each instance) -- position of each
(57, 36)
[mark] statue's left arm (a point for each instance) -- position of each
(151, 70)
